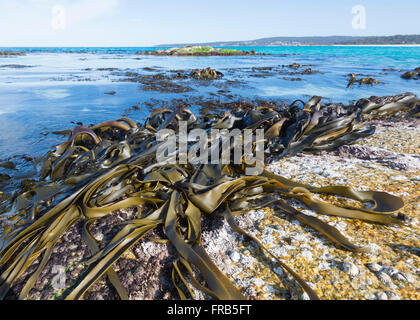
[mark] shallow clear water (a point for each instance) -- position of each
(57, 89)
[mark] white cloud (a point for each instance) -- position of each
(139, 20)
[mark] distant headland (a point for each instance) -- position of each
(310, 41)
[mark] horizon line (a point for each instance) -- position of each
(209, 42)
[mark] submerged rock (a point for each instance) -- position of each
(15, 66)
(414, 75)
(8, 165)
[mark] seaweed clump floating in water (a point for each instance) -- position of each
(361, 81)
(113, 165)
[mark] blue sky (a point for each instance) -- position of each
(151, 22)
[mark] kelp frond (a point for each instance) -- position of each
(113, 166)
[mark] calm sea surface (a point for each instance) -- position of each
(48, 88)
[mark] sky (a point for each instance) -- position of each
(55, 23)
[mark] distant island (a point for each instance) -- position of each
(198, 51)
(315, 41)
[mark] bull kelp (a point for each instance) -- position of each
(113, 165)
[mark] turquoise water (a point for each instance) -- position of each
(407, 57)
(61, 85)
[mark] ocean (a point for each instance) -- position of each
(51, 89)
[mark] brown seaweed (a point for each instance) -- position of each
(361, 81)
(113, 166)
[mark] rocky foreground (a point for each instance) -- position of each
(387, 161)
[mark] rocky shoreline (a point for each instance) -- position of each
(386, 161)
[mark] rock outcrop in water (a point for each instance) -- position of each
(206, 74)
(198, 51)
(415, 74)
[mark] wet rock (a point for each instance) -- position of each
(392, 160)
(373, 248)
(107, 69)
(235, 257)
(8, 165)
(15, 66)
(279, 271)
(381, 295)
(131, 74)
(305, 296)
(206, 74)
(4, 177)
(294, 65)
(392, 295)
(351, 269)
(309, 71)
(391, 271)
(404, 277)
(414, 75)
(374, 267)
(386, 280)
(292, 79)
(158, 82)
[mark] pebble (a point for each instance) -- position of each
(99, 236)
(258, 282)
(370, 296)
(278, 271)
(392, 295)
(351, 269)
(305, 296)
(400, 277)
(386, 280)
(381, 295)
(399, 178)
(307, 255)
(324, 266)
(409, 277)
(235, 256)
(391, 271)
(373, 248)
(374, 267)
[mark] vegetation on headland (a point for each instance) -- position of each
(198, 51)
